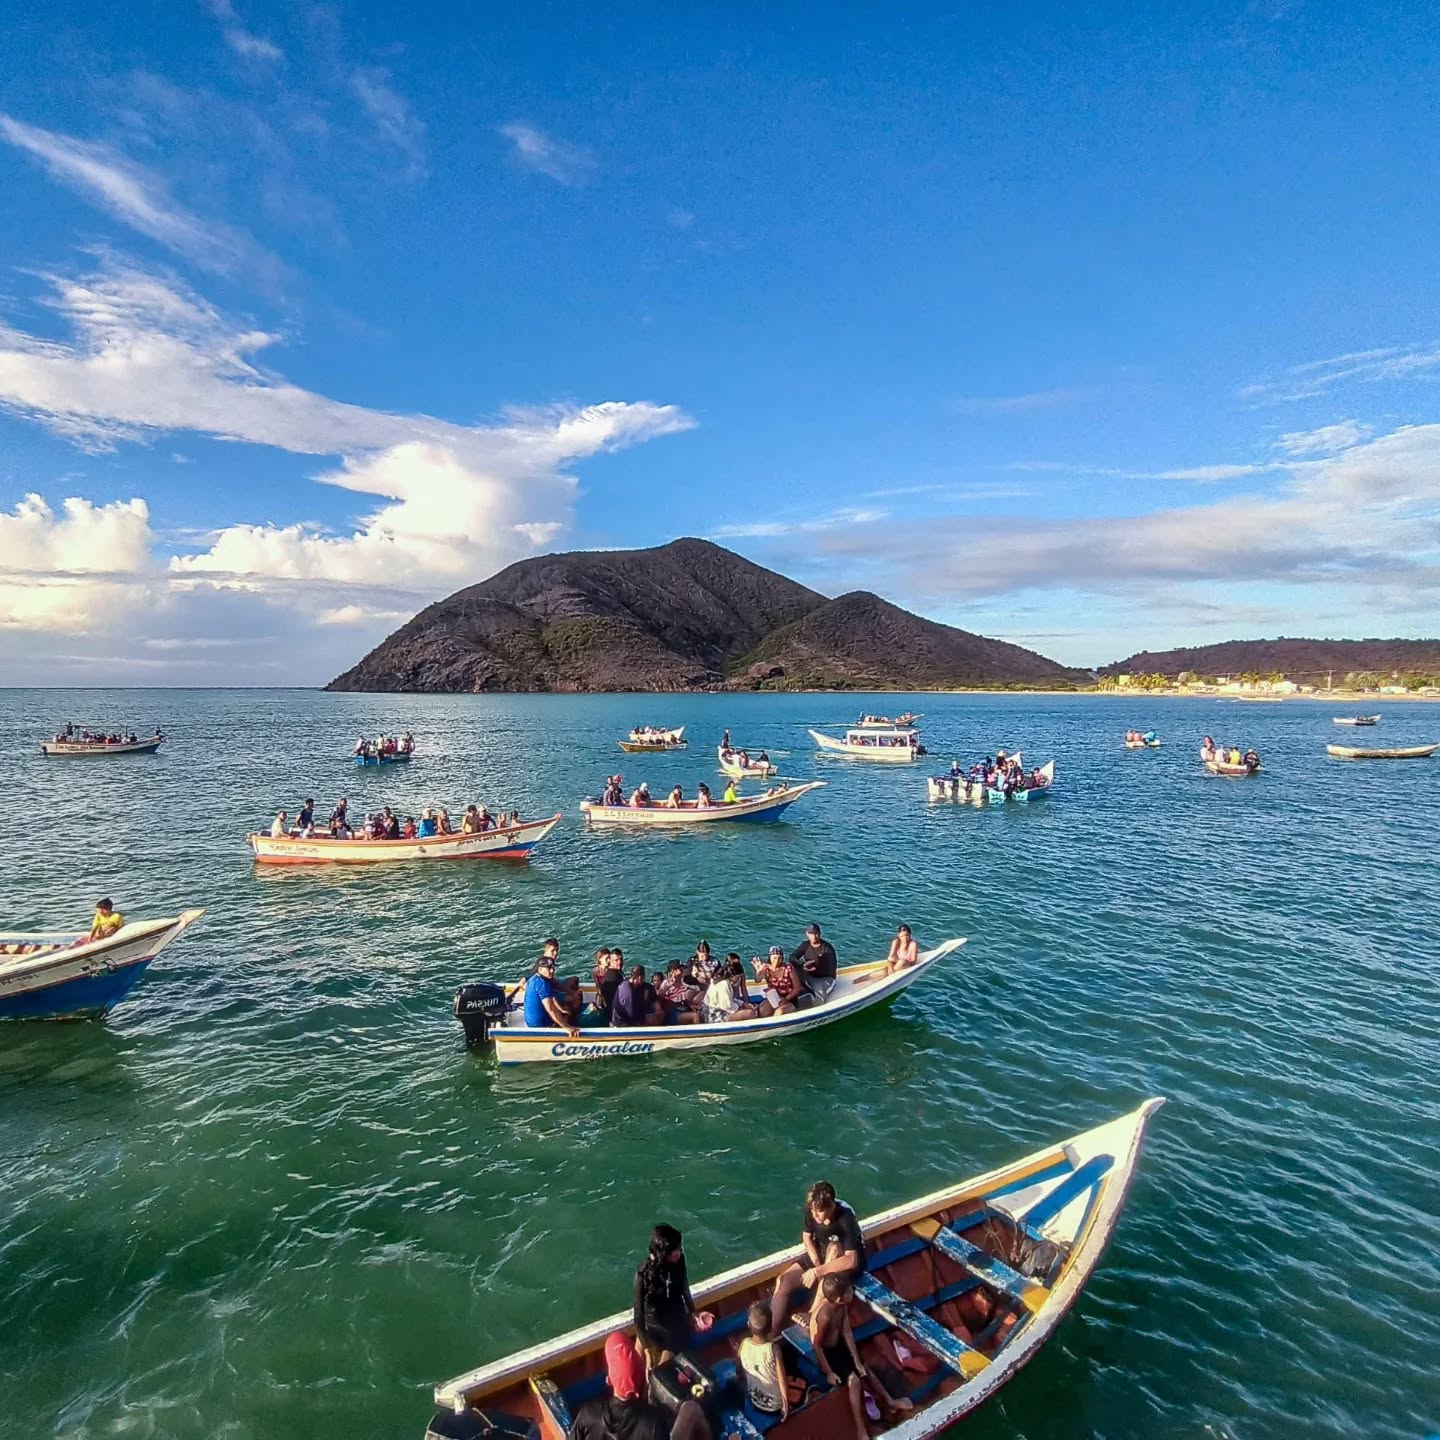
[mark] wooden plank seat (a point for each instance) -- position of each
(909, 1317)
(989, 1268)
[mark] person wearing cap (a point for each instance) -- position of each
(623, 1414)
(542, 996)
(106, 922)
(816, 959)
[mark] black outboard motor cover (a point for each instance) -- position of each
(480, 1425)
(478, 1006)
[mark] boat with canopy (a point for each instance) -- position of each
(61, 975)
(769, 805)
(495, 1014)
(896, 745)
(962, 1287)
(505, 842)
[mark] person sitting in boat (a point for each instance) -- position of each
(624, 1414)
(361, 745)
(676, 799)
(786, 990)
(442, 822)
(470, 821)
(816, 958)
(702, 963)
(392, 825)
(640, 799)
(727, 997)
(904, 952)
(834, 1245)
(1251, 760)
(832, 1338)
(769, 1388)
(608, 980)
(1207, 749)
(703, 799)
(427, 823)
(676, 996)
(542, 999)
(107, 920)
(339, 824)
(614, 791)
(409, 830)
(732, 795)
(278, 828)
(636, 1002)
(407, 744)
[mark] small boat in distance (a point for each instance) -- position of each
(384, 750)
(128, 744)
(65, 976)
(642, 733)
(740, 764)
(645, 747)
(1227, 760)
(1141, 740)
(495, 1014)
(884, 722)
(1410, 752)
(894, 744)
(961, 1288)
(769, 805)
(1355, 720)
(506, 842)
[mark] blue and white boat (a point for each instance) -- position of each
(59, 975)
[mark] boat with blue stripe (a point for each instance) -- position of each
(59, 975)
(961, 1287)
(769, 805)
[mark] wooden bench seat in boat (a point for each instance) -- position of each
(907, 1316)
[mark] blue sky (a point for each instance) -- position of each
(1096, 329)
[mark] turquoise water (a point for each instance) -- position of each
(272, 1196)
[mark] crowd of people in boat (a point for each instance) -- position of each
(640, 798)
(656, 1388)
(730, 756)
(1003, 772)
(881, 741)
(1229, 755)
(701, 989)
(384, 747)
(387, 825)
(1139, 737)
(71, 736)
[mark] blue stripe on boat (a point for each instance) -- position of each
(84, 995)
(990, 1268)
(910, 1318)
(1085, 1178)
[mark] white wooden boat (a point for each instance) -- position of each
(973, 1277)
(672, 735)
(769, 805)
(731, 764)
(507, 842)
(884, 722)
(517, 1044)
(1355, 720)
(894, 745)
(1242, 771)
(60, 975)
(975, 792)
(1409, 752)
(645, 747)
(144, 745)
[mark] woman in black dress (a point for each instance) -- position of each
(665, 1316)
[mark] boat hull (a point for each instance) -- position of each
(1355, 720)
(58, 749)
(924, 1256)
(755, 809)
(518, 1045)
(1407, 752)
(512, 843)
(646, 747)
(383, 759)
(82, 981)
(755, 770)
(1230, 772)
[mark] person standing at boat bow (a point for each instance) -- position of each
(816, 959)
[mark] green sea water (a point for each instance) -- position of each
(272, 1196)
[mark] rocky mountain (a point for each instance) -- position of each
(1304, 661)
(684, 616)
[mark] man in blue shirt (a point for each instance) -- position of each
(542, 1005)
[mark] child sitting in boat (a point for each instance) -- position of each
(768, 1386)
(833, 1339)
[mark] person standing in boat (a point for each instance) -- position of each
(816, 959)
(725, 741)
(666, 1320)
(623, 1414)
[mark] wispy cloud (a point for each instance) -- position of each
(245, 43)
(564, 163)
(1326, 440)
(1022, 404)
(392, 116)
(771, 529)
(133, 196)
(1364, 367)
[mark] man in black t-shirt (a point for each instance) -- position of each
(816, 959)
(834, 1245)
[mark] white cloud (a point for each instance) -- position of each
(562, 162)
(245, 43)
(1022, 404)
(768, 529)
(1369, 367)
(1324, 441)
(392, 117)
(132, 195)
(449, 503)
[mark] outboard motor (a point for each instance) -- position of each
(478, 1006)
